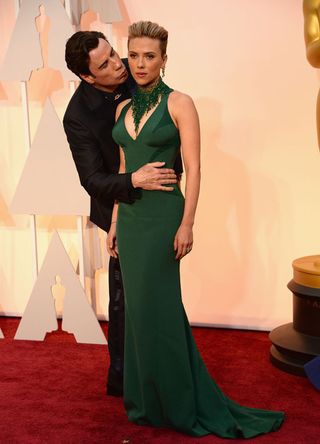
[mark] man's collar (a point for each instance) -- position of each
(95, 97)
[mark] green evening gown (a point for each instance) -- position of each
(166, 383)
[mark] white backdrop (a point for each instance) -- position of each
(244, 64)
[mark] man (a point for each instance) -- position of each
(88, 123)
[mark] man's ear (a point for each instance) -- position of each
(88, 78)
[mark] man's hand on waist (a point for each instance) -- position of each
(153, 177)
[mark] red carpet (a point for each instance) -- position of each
(53, 392)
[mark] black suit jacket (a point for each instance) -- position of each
(88, 123)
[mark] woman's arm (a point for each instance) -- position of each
(112, 247)
(186, 118)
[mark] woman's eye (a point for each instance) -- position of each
(150, 56)
(132, 56)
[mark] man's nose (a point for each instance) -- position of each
(117, 63)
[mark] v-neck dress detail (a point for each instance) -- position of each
(127, 106)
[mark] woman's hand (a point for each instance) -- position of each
(183, 241)
(112, 246)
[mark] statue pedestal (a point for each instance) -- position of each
(296, 343)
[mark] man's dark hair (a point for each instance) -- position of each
(77, 50)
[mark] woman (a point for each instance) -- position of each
(165, 380)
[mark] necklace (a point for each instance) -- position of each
(144, 99)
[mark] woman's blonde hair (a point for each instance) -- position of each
(151, 30)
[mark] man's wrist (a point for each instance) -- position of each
(134, 190)
(133, 181)
(130, 182)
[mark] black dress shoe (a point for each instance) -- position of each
(115, 382)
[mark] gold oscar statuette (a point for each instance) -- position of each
(311, 12)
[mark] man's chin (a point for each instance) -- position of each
(111, 86)
(123, 78)
(119, 81)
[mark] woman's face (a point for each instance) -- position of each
(145, 60)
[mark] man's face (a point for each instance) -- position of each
(106, 67)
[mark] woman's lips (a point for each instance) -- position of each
(141, 74)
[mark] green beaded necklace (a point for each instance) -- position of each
(144, 99)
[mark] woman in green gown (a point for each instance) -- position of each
(166, 383)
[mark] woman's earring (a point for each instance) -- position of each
(163, 72)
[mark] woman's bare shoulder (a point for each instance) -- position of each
(179, 101)
(121, 106)
(178, 98)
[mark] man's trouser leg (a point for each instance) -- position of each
(116, 329)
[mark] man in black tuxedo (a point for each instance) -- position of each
(88, 123)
